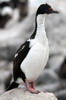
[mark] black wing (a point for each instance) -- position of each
(19, 57)
(22, 51)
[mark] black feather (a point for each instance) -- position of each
(21, 54)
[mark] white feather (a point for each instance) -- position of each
(35, 61)
(37, 57)
(16, 55)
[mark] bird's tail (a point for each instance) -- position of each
(12, 86)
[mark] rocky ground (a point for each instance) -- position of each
(53, 78)
(22, 94)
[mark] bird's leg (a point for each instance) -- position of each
(31, 88)
(32, 85)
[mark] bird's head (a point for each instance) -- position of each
(45, 9)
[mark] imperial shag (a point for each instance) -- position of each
(31, 58)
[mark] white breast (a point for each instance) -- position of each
(35, 61)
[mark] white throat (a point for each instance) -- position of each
(40, 33)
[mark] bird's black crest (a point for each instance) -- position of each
(44, 9)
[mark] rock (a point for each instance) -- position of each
(62, 71)
(9, 15)
(61, 95)
(4, 20)
(3, 77)
(21, 94)
(14, 37)
(56, 33)
(55, 62)
(23, 7)
(7, 81)
(47, 77)
(5, 13)
(7, 53)
(50, 87)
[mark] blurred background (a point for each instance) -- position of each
(16, 26)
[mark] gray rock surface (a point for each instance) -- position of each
(61, 95)
(21, 94)
(47, 77)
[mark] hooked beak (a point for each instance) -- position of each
(50, 11)
(53, 11)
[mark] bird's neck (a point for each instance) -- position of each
(40, 29)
